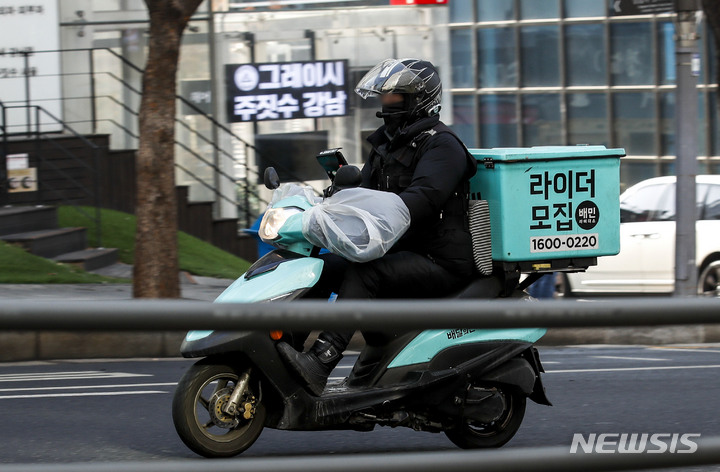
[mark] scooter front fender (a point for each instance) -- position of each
(282, 282)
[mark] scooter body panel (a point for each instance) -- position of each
(430, 343)
(291, 275)
(286, 277)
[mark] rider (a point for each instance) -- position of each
(419, 158)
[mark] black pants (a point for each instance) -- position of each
(397, 275)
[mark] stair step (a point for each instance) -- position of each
(50, 242)
(21, 219)
(90, 259)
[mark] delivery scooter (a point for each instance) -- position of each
(470, 384)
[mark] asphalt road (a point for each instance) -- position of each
(81, 411)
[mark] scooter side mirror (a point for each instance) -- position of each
(347, 177)
(271, 178)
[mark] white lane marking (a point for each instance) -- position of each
(681, 349)
(86, 387)
(549, 362)
(622, 369)
(631, 358)
(86, 375)
(84, 394)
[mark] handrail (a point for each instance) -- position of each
(39, 136)
(228, 176)
(194, 108)
(242, 184)
(96, 161)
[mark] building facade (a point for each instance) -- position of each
(516, 73)
(544, 72)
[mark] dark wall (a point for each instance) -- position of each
(66, 175)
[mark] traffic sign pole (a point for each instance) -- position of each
(686, 117)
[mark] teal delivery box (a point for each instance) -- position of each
(550, 202)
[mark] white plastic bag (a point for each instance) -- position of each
(358, 224)
(292, 190)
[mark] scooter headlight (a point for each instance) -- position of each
(273, 220)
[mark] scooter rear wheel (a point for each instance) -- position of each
(199, 416)
(474, 435)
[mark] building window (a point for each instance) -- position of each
(583, 8)
(537, 9)
(666, 53)
(461, 11)
(633, 171)
(587, 118)
(496, 10)
(540, 58)
(714, 126)
(634, 122)
(566, 72)
(462, 64)
(711, 58)
(585, 55)
(702, 149)
(631, 54)
(498, 121)
(541, 121)
(464, 118)
(496, 58)
(667, 124)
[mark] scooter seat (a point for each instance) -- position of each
(483, 287)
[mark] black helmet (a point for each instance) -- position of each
(416, 79)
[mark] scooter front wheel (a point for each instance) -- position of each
(200, 410)
(471, 434)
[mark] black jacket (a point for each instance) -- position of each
(427, 165)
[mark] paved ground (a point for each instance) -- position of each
(192, 288)
(80, 411)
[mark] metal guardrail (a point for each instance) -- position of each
(555, 459)
(150, 315)
(167, 315)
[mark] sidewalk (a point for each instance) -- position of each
(192, 287)
(17, 346)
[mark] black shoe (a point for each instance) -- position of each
(314, 366)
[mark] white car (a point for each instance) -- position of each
(646, 262)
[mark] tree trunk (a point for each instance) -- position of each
(156, 256)
(712, 14)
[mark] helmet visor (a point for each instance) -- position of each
(391, 76)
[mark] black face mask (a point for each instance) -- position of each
(394, 115)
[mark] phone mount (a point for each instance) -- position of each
(331, 160)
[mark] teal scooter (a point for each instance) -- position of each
(470, 384)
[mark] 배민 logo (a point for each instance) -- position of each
(635, 443)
